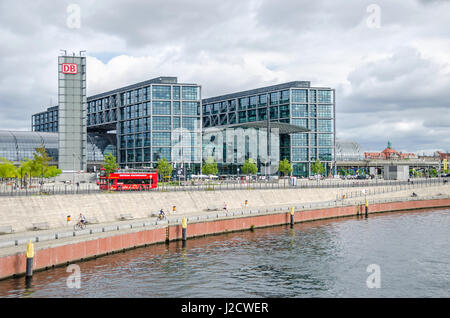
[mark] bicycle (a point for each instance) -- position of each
(162, 216)
(80, 225)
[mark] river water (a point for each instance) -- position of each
(410, 252)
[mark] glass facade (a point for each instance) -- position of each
(162, 118)
(296, 103)
(156, 119)
(46, 121)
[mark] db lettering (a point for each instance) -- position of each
(69, 68)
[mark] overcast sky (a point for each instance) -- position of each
(389, 61)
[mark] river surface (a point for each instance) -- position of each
(405, 254)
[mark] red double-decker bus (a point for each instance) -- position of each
(123, 181)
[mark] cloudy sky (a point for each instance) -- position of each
(388, 60)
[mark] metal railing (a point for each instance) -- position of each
(374, 187)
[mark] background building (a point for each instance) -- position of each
(161, 118)
(157, 118)
(46, 121)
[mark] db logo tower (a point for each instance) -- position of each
(69, 68)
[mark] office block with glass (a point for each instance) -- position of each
(156, 119)
(295, 103)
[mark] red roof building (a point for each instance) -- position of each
(389, 154)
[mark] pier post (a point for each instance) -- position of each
(292, 216)
(183, 229)
(367, 208)
(29, 264)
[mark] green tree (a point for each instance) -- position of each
(318, 167)
(285, 167)
(52, 172)
(249, 167)
(164, 168)
(210, 167)
(7, 169)
(110, 164)
(433, 172)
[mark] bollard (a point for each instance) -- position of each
(292, 216)
(68, 220)
(367, 208)
(183, 229)
(29, 255)
(174, 209)
(167, 234)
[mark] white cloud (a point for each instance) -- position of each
(390, 81)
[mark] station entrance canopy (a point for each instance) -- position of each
(283, 128)
(233, 144)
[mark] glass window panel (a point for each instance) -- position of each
(176, 92)
(161, 123)
(160, 92)
(161, 152)
(191, 123)
(176, 108)
(284, 111)
(190, 108)
(313, 110)
(190, 92)
(299, 110)
(299, 139)
(324, 111)
(284, 97)
(324, 96)
(274, 98)
(299, 96)
(243, 103)
(274, 112)
(325, 154)
(325, 139)
(300, 122)
(232, 105)
(242, 117)
(161, 138)
(252, 115)
(253, 102)
(160, 108)
(299, 154)
(325, 125)
(312, 96)
(176, 122)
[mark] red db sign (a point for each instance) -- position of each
(69, 68)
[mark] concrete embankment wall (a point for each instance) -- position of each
(70, 252)
(22, 212)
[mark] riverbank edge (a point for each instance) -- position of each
(15, 265)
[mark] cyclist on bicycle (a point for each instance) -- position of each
(162, 215)
(82, 219)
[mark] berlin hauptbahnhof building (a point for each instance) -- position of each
(161, 118)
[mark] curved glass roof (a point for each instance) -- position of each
(347, 150)
(16, 146)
